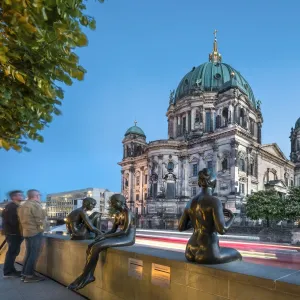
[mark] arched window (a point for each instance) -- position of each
(225, 116)
(242, 118)
(224, 164)
(242, 165)
(252, 168)
(138, 150)
(170, 166)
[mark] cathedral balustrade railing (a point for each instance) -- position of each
(161, 142)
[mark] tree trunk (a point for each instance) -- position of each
(268, 222)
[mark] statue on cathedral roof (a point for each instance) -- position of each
(172, 97)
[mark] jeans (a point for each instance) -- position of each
(33, 247)
(14, 245)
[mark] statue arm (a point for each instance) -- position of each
(88, 223)
(184, 222)
(124, 231)
(113, 229)
(219, 220)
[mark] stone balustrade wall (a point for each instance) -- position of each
(63, 260)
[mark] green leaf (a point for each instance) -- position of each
(37, 51)
(92, 25)
(20, 78)
(40, 139)
(5, 144)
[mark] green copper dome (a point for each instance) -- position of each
(297, 125)
(135, 130)
(213, 77)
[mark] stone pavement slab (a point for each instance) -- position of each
(15, 289)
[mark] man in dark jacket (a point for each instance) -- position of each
(11, 229)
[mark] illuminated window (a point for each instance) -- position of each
(195, 169)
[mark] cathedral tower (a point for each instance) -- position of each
(295, 150)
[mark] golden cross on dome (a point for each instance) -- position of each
(215, 33)
(135, 122)
(215, 56)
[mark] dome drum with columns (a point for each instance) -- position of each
(214, 121)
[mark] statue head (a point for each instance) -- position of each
(89, 203)
(117, 201)
(206, 180)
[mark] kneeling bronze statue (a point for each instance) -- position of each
(81, 226)
(205, 214)
(113, 238)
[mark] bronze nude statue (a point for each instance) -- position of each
(81, 226)
(125, 236)
(205, 214)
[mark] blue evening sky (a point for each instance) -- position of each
(138, 53)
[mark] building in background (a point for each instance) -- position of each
(295, 150)
(59, 205)
(214, 122)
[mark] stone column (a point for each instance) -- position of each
(142, 190)
(186, 176)
(131, 188)
(230, 115)
(186, 115)
(204, 120)
(180, 176)
(234, 163)
(175, 124)
(159, 173)
(193, 117)
(215, 157)
(122, 181)
(235, 113)
(170, 127)
(248, 189)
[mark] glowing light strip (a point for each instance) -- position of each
(229, 242)
(182, 248)
(189, 234)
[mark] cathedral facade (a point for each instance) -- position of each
(214, 122)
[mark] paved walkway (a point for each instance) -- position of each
(15, 289)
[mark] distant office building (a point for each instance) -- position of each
(59, 205)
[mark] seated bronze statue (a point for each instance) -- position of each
(81, 226)
(206, 215)
(125, 236)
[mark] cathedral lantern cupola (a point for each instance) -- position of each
(215, 56)
(134, 142)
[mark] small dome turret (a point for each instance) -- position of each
(135, 130)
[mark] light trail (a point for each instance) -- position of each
(222, 242)
(246, 237)
(173, 246)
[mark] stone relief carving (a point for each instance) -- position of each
(194, 159)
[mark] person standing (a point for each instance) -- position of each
(32, 218)
(12, 232)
